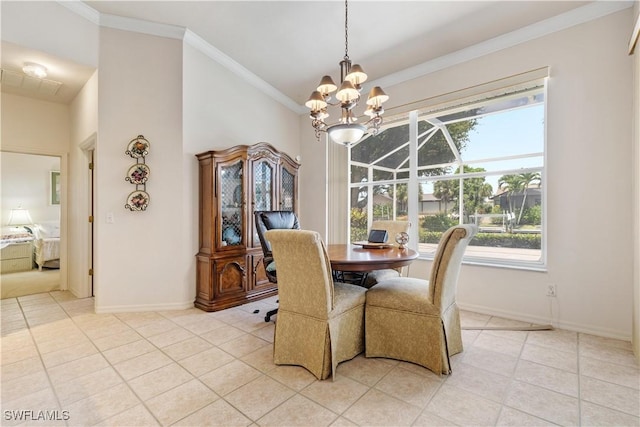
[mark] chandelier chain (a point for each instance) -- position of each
(346, 30)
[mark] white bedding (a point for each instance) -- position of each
(47, 245)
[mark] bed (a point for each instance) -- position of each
(47, 245)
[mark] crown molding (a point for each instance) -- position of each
(589, 12)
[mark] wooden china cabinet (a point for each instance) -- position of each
(233, 184)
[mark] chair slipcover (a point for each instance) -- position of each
(393, 228)
(320, 323)
(416, 320)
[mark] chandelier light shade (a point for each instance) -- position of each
(346, 131)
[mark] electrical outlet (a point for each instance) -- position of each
(551, 290)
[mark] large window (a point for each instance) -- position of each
(480, 163)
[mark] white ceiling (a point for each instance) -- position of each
(291, 44)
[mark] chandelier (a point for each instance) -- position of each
(346, 131)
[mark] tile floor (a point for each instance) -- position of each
(191, 368)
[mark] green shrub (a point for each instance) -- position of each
(438, 222)
(496, 240)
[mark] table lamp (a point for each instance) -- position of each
(19, 218)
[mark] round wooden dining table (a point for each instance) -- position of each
(357, 258)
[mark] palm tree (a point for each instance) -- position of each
(511, 184)
(445, 191)
(527, 179)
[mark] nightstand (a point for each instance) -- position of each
(16, 257)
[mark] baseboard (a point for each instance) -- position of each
(143, 307)
(559, 324)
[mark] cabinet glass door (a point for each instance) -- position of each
(263, 186)
(288, 190)
(231, 204)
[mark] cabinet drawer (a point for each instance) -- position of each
(16, 264)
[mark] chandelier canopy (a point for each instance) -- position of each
(346, 131)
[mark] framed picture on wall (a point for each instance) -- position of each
(54, 188)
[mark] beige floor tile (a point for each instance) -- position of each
(365, 370)
(519, 336)
(204, 325)
(556, 339)
(595, 415)
(483, 383)
(140, 365)
(107, 329)
(87, 385)
(16, 340)
(546, 404)
(43, 400)
(343, 422)
(298, 411)
(588, 339)
(498, 344)
(335, 395)
(229, 377)
(107, 343)
(409, 387)
(376, 408)
(429, 419)
(498, 363)
(102, 405)
(612, 396)
(139, 319)
(513, 417)
(184, 349)
(160, 380)
(567, 361)
(24, 385)
(13, 326)
(128, 351)
(261, 359)
(21, 368)
(61, 342)
(173, 336)
(294, 377)
(628, 376)
(550, 378)
(181, 401)
(222, 335)
(462, 407)
(218, 413)
(138, 416)
(159, 326)
(10, 356)
(258, 397)
(206, 361)
(265, 333)
(243, 345)
(76, 368)
(69, 354)
(608, 353)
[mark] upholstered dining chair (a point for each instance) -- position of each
(392, 228)
(320, 322)
(416, 320)
(268, 220)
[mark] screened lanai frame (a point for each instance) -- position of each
(370, 174)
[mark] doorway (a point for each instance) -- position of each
(32, 247)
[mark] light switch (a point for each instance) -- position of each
(110, 219)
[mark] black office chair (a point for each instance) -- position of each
(271, 220)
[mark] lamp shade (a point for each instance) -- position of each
(316, 102)
(19, 216)
(347, 92)
(356, 75)
(346, 133)
(377, 97)
(326, 85)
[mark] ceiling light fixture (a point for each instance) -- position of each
(32, 69)
(346, 131)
